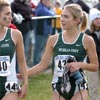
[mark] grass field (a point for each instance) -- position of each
(40, 87)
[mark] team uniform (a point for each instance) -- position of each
(62, 50)
(8, 79)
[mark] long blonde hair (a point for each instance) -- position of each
(93, 28)
(77, 12)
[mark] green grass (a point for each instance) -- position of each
(39, 87)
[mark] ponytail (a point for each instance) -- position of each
(84, 22)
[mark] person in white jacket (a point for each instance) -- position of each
(94, 77)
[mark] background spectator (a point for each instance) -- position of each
(43, 28)
(97, 5)
(30, 41)
(94, 77)
(58, 11)
(33, 6)
(84, 6)
(23, 9)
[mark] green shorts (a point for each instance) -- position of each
(2, 87)
(74, 88)
(7, 87)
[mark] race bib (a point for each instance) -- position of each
(4, 65)
(60, 63)
(12, 86)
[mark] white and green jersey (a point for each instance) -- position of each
(63, 49)
(8, 57)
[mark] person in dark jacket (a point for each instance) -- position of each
(24, 11)
(84, 6)
(43, 28)
(97, 5)
(94, 77)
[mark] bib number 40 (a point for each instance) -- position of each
(3, 66)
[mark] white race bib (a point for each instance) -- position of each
(60, 63)
(4, 65)
(12, 86)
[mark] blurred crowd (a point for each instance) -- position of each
(35, 31)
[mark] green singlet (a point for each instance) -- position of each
(62, 50)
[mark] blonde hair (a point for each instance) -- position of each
(93, 28)
(77, 12)
(3, 3)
